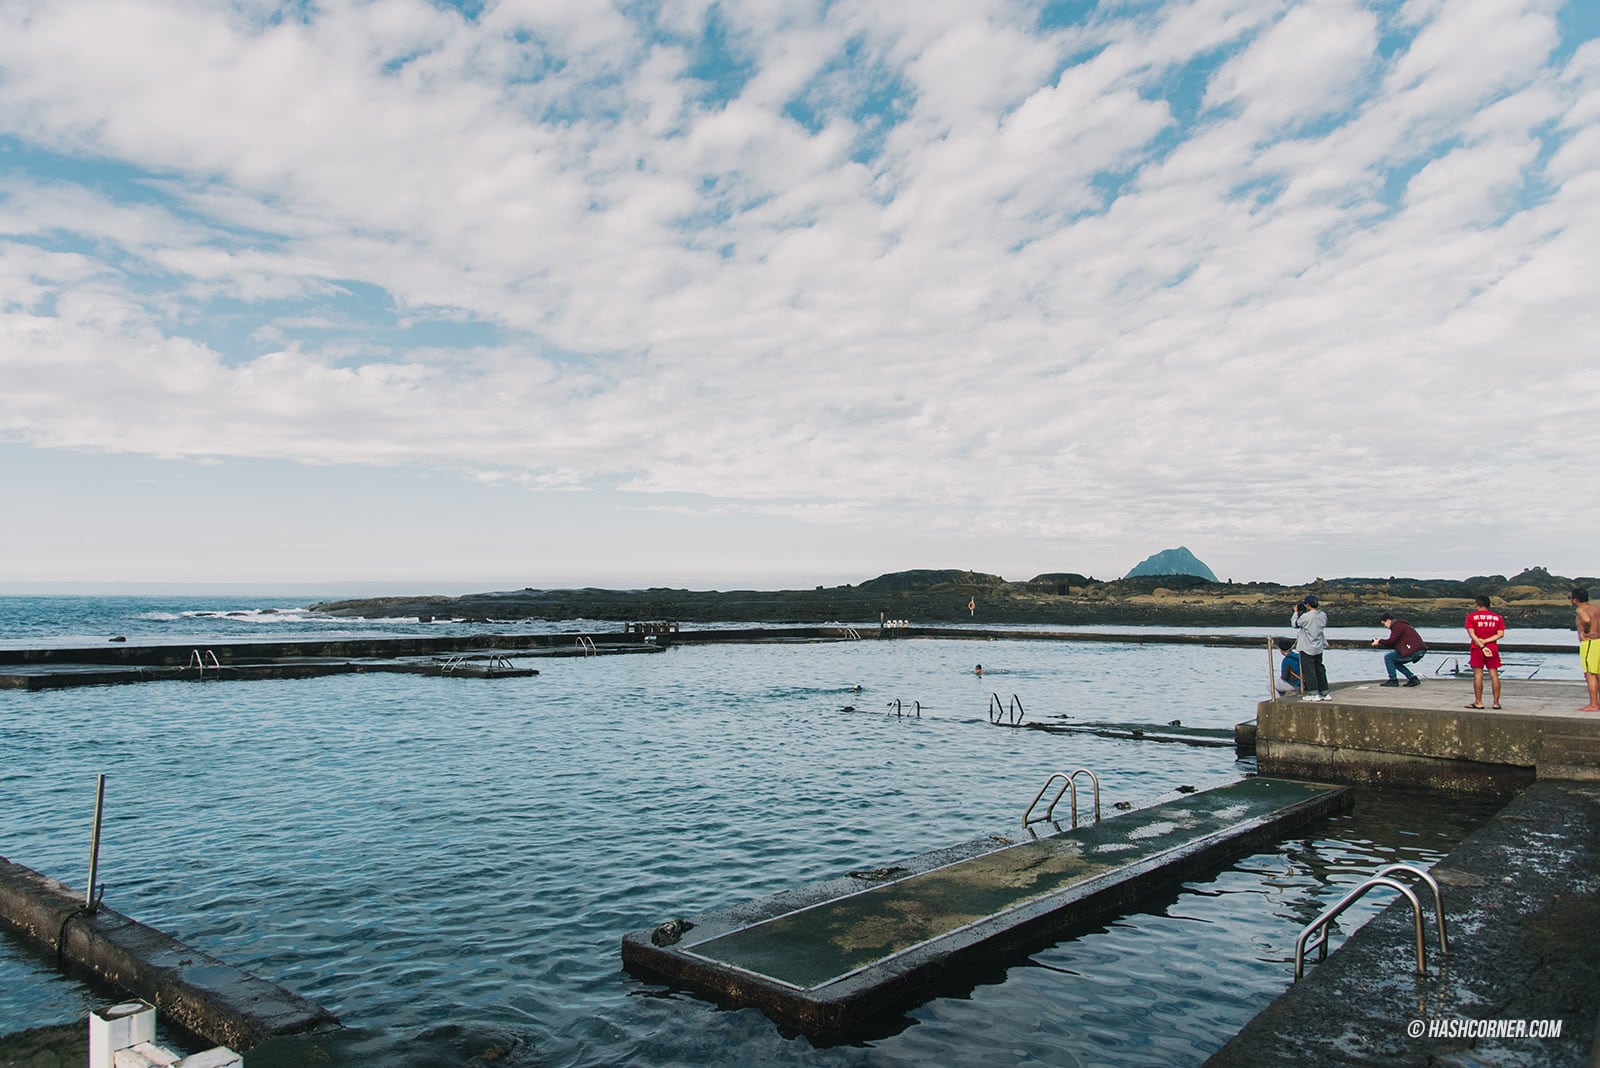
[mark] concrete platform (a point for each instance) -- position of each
(1522, 902)
(827, 957)
(193, 989)
(63, 675)
(1424, 735)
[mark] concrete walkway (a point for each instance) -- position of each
(1425, 736)
(1518, 697)
(1522, 901)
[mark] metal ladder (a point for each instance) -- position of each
(197, 661)
(1004, 715)
(586, 643)
(1069, 782)
(900, 709)
(1316, 932)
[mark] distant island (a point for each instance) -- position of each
(1532, 598)
(1179, 561)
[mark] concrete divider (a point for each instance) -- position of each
(198, 992)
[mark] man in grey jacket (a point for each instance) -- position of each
(1310, 624)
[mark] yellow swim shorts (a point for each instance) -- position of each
(1589, 655)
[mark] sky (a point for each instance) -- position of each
(777, 293)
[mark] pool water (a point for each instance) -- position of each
(449, 865)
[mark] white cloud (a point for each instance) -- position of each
(1064, 297)
(1303, 67)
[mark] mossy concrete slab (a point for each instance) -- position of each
(827, 957)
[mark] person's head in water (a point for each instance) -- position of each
(978, 670)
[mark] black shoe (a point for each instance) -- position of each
(1413, 681)
(1391, 682)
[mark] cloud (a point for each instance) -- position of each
(1157, 269)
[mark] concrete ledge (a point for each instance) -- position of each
(827, 958)
(1423, 736)
(192, 989)
(1522, 900)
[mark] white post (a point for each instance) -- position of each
(119, 1027)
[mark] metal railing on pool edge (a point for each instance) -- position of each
(1318, 928)
(1004, 715)
(1454, 664)
(1068, 783)
(198, 662)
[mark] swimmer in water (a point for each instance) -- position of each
(978, 670)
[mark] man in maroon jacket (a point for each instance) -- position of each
(1405, 646)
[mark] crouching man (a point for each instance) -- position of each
(1405, 646)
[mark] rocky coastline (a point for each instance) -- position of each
(1531, 598)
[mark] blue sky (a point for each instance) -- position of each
(550, 292)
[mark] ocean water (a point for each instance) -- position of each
(449, 865)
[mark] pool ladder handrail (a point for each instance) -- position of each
(1002, 714)
(1454, 664)
(899, 708)
(1069, 783)
(1319, 926)
(586, 643)
(197, 661)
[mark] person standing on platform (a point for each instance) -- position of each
(1485, 627)
(1405, 646)
(1588, 623)
(1310, 624)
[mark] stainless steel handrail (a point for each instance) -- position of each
(1001, 713)
(899, 708)
(1318, 928)
(1069, 784)
(1438, 899)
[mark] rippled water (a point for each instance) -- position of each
(449, 864)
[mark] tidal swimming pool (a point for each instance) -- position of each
(449, 865)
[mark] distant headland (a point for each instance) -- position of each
(1532, 598)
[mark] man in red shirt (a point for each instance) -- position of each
(1485, 627)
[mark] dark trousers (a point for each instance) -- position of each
(1315, 676)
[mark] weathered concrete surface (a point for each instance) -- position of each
(189, 988)
(50, 668)
(826, 958)
(62, 1046)
(1424, 736)
(1522, 901)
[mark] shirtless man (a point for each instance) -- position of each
(1588, 623)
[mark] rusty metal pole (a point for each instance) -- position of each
(89, 903)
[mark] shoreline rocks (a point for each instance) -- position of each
(1533, 598)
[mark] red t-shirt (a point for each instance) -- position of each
(1483, 622)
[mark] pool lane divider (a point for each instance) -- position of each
(195, 990)
(826, 958)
